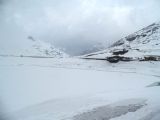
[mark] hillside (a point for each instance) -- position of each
(145, 42)
(34, 48)
(42, 49)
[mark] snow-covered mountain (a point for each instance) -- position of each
(35, 48)
(139, 44)
(42, 49)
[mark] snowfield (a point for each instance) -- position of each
(41, 82)
(78, 89)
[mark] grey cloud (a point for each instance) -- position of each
(75, 23)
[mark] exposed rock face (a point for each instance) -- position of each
(115, 59)
(120, 52)
(150, 58)
(154, 84)
(131, 37)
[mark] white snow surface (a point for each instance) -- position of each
(60, 89)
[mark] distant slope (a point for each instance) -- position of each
(41, 48)
(143, 42)
(36, 48)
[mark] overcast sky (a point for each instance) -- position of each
(73, 24)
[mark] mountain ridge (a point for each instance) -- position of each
(139, 44)
(34, 48)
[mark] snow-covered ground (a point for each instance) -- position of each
(77, 89)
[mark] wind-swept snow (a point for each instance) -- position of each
(74, 86)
